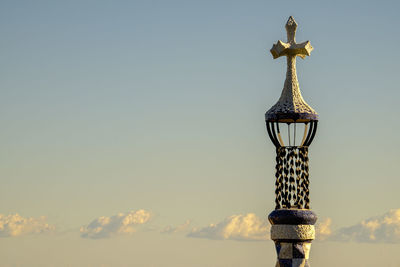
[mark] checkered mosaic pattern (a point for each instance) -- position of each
(292, 254)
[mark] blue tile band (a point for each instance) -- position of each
(292, 216)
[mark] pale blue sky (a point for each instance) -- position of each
(113, 106)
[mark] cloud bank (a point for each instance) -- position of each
(176, 229)
(379, 229)
(236, 227)
(16, 225)
(120, 224)
(323, 229)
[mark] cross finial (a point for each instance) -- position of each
(291, 48)
(291, 106)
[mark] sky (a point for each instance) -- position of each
(133, 132)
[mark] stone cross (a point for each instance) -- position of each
(291, 105)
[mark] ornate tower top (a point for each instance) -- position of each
(292, 220)
(291, 106)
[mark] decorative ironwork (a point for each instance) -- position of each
(292, 183)
(310, 130)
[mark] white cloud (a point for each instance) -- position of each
(16, 225)
(323, 229)
(235, 227)
(176, 229)
(120, 224)
(380, 229)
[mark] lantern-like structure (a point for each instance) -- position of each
(291, 126)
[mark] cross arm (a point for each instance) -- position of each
(285, 49)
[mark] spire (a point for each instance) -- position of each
(291, 106)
